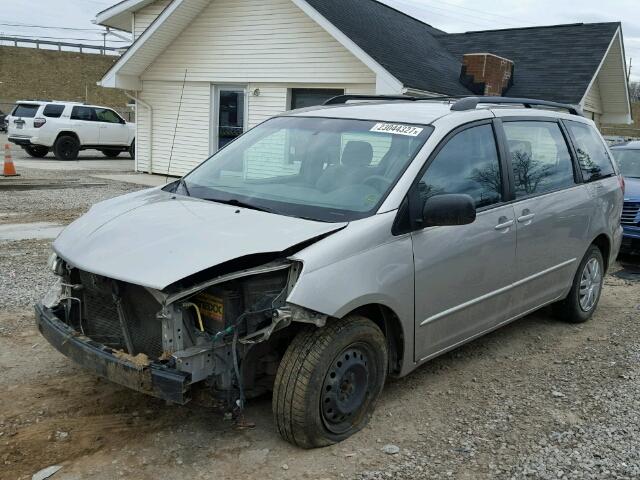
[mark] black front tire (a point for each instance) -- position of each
(132, 150)
(571, 309)
(328, 382)
(110, 153)
(36, 151)
(66, 147)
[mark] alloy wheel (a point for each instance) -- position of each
(590, 284)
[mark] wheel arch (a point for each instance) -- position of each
(68, 133)
(389, 322)
(603, 242)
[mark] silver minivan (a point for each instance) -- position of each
(332, 246)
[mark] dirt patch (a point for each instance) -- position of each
(139, 361)
(486, 410)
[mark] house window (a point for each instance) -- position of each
(309, 97)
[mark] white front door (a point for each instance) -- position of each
(230, 114)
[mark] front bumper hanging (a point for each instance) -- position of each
(154, 379)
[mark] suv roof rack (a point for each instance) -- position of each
(470, 103)
(340, 99)
(461, 103)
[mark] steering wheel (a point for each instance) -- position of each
(379, 180)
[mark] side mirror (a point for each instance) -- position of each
(448, 209)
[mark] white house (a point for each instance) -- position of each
(203, 71)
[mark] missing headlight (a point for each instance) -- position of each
(247, 304)
(56, 264)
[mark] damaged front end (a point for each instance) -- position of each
(227, 333)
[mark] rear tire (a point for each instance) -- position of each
(36, 151)
(328, 382)
(584, 296)
(110, 153)
(132, 150)
(66, 147)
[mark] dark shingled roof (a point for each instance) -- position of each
(405, 47)
(552, 63)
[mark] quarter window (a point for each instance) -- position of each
(53, 110)
(540, 157)
(467, 164)
(592, 154)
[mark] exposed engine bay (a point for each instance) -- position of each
(227, 333)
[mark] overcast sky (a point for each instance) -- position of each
(448, 15)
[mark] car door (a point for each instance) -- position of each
(113, 129)
(463, 273)
(552, 210)
(85, 124)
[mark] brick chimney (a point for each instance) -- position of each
(486, 74)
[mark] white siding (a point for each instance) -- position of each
(145, 16)
(257, 41)
(593, 100)
(191, 144)
(270, 45)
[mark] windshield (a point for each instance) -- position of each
(319, 168)
(628, 162)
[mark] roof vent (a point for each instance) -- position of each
(486, 74)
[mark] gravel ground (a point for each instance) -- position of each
(536, 399)
(25, 277)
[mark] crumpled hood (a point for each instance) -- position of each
(632, 188)
(154, 238)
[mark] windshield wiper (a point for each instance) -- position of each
(239, 203)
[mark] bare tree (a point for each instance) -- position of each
(634, 91)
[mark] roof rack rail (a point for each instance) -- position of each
(470, 103)
(340, 99)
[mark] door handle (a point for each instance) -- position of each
(526, 218)
(504, 223)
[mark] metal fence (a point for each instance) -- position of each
(81, 47)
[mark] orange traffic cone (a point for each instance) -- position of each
(9, 169)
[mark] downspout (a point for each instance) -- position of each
(148, 107)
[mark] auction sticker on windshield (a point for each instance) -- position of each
(397, 129)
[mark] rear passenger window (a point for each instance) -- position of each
(467, 164)
(83, 113)
(592, 154)
(539, 156)
(53, 111)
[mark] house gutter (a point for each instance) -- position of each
(150, 110)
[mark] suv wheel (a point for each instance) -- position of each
(66, 147)
(329, 381)
(584, 296)
(36, 151)
(110, 153)
(132, 150)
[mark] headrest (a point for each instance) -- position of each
(357, 154)
(520, 145)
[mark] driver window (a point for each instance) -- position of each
(107, 116)
(467, 164)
